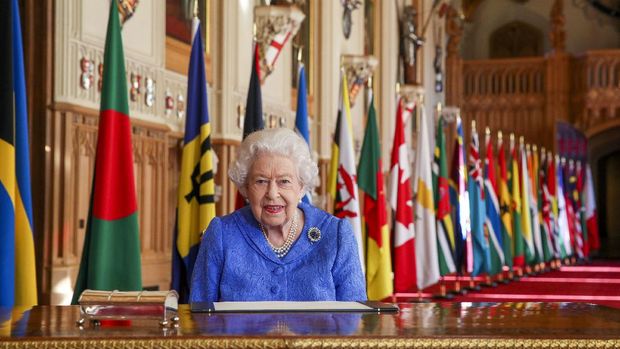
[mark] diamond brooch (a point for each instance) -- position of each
(314, 234)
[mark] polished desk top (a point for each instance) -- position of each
(505, 325)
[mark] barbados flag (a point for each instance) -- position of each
(196, 203)
(17, 262)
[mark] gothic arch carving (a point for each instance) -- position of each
(516, 39)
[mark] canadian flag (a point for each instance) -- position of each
(401, 201)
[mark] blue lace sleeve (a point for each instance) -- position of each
(208, 268)
(347, 271)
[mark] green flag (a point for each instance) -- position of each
(505, 203)
(518, 257)
(378, 259)
(441, 190)
(111, 254)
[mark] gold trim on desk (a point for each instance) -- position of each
(232, 342)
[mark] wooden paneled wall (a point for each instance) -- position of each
(596, 90)
(528, 95)
(71, 147)
(507, 95)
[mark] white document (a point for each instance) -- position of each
(290, 306)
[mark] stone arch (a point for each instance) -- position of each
(516, 39)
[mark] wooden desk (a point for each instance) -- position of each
(430, 325)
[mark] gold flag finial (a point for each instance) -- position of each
(499, 134)
(195, 8)
(487, 130)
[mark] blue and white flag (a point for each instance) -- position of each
(301, 118)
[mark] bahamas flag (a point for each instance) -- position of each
(17, 262)
(301, 117)
(482, 255)
(111, 253)
(195, 201)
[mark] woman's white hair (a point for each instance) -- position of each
(278, 141)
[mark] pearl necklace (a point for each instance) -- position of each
(283, 250)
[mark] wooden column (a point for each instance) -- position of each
(454, 61)
(557, 74)
(37, 34)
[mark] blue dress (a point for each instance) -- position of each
(235, 262)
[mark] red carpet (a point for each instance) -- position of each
(595, 282)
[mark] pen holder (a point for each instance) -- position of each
(133, 305)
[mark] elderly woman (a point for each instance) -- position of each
(277, 247)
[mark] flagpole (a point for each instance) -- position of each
(489, 282)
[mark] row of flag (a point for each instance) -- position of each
(529, 208)
(478, 217)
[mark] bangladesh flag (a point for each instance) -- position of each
(111, 254)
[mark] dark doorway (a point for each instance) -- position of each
(608, 205)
